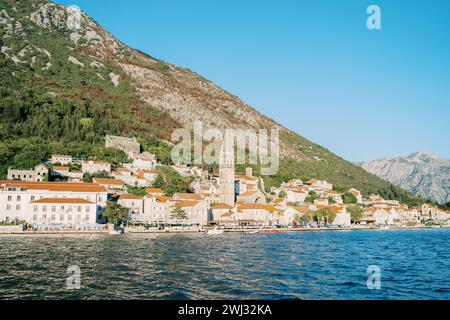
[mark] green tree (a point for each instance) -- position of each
(356, 213)
(312, 196)
(137, 191)
(178, 213)
(115, 213)
(282, 194)
(349, 198)
(325, 215)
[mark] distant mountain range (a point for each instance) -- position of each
(421, 173)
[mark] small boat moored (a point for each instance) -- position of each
(215, 231)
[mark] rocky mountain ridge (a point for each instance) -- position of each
(421, 173)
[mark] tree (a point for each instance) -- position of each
(282, 194)
(331, 200)
(349, 198)
(312, 196)
(115, 213)
(356, 213)
(325, 215)
(178, 213)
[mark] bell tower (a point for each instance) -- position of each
(226, 175)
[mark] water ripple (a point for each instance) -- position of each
(415, 264)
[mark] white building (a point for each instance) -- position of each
(111, 185)
(380, 216)
(343, 218)
(218, 210)
(144, 161)
(16, 197)
(357, 194)
(256, 214)
(65, 211)
(134, 204)
(156, 210)
(92, 167)
(319, 185)
(61, 159)
(297, 195)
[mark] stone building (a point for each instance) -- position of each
(226, 177)
(92, 167)
(128, 145)
(34, 175)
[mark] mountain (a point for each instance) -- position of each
(64, 89)
(421, 173)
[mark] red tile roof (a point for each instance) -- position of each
(63, 200)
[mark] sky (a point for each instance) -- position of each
(313, 66)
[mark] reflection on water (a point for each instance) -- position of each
(415, 264)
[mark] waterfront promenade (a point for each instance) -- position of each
(204, 230)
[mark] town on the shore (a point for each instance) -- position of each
(229, 201)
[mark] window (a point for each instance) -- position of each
(32, 198)
(35, 209)
(44, 216)
(87, 217)
(53, 217)
(35, 217)
(19, 198)
(8, 207)
(79, 209)
(9, 198)
(17, 207)
(87, 209)
(61, 217)
(44, 208)
(69, 217)
(53, 208)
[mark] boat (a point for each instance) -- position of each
(215, 231)
(115, 232)
(253, 231)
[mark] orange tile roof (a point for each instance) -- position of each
(248, 193)
(61, 168)
(227, 214)
(221, 206)
(251, 206)
(246, 177)
(56, 186)
(142, 173)
(299, 190)
(63, 200)
(108, 181)
(154, 190)
(187, 196)
(186, 204)
(311, 181)
(129, 197)
(163, 199)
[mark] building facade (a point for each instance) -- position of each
(38, 174)
(17, 198)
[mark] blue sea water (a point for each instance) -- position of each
(414, 264)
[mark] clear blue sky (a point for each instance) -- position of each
(311, 65)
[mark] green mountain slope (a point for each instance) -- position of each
(62, 90)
